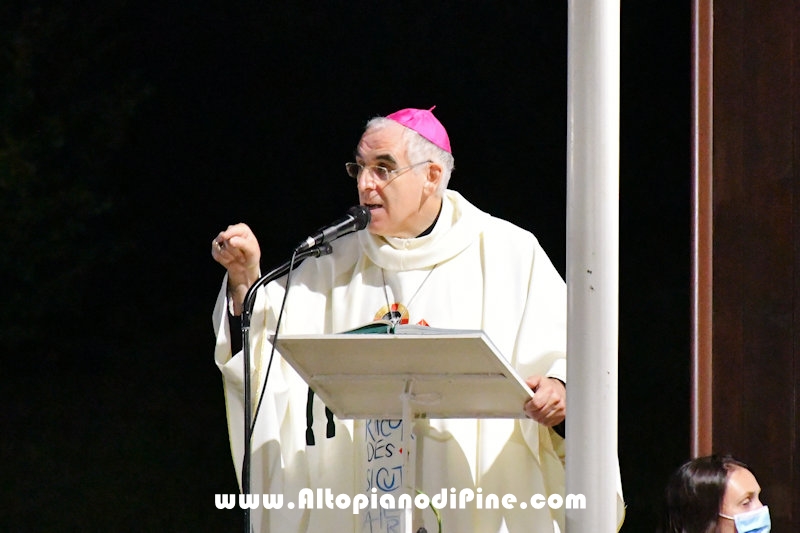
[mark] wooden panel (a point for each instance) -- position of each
(702, 228)
(728, 196)
(756, 237)
(794, 402)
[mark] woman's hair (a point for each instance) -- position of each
(694, 494)
(418, 149)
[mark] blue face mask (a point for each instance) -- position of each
(752, 521)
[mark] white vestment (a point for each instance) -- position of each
(473, 271)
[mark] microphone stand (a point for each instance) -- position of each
(247, 310)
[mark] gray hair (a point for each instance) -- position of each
(418, 148)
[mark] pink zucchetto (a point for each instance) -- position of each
(423, 122)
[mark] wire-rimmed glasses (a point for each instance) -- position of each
(381, 174)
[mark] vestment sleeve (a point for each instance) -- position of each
(542, 338)
(232, 370)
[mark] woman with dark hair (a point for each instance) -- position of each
(714, 494)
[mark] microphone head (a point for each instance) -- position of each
(361, 215)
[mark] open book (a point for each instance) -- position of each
(387, 326)
(367, 372)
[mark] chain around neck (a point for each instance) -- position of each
(396, 320)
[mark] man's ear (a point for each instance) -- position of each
(434, 178)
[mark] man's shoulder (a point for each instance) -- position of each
(502, 229)
(491, 226)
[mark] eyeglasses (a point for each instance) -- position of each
(382, 174)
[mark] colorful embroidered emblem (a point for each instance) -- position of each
(393, 312)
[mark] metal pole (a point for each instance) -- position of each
(592, 262)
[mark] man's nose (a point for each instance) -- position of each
(365, 180)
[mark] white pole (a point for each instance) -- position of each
(592, 262)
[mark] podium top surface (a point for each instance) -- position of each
(447, 375)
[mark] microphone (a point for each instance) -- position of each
(357, 218)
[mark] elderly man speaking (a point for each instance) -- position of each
(428, 257)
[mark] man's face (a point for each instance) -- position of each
(400, 206)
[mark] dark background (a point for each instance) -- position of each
(131, 133)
